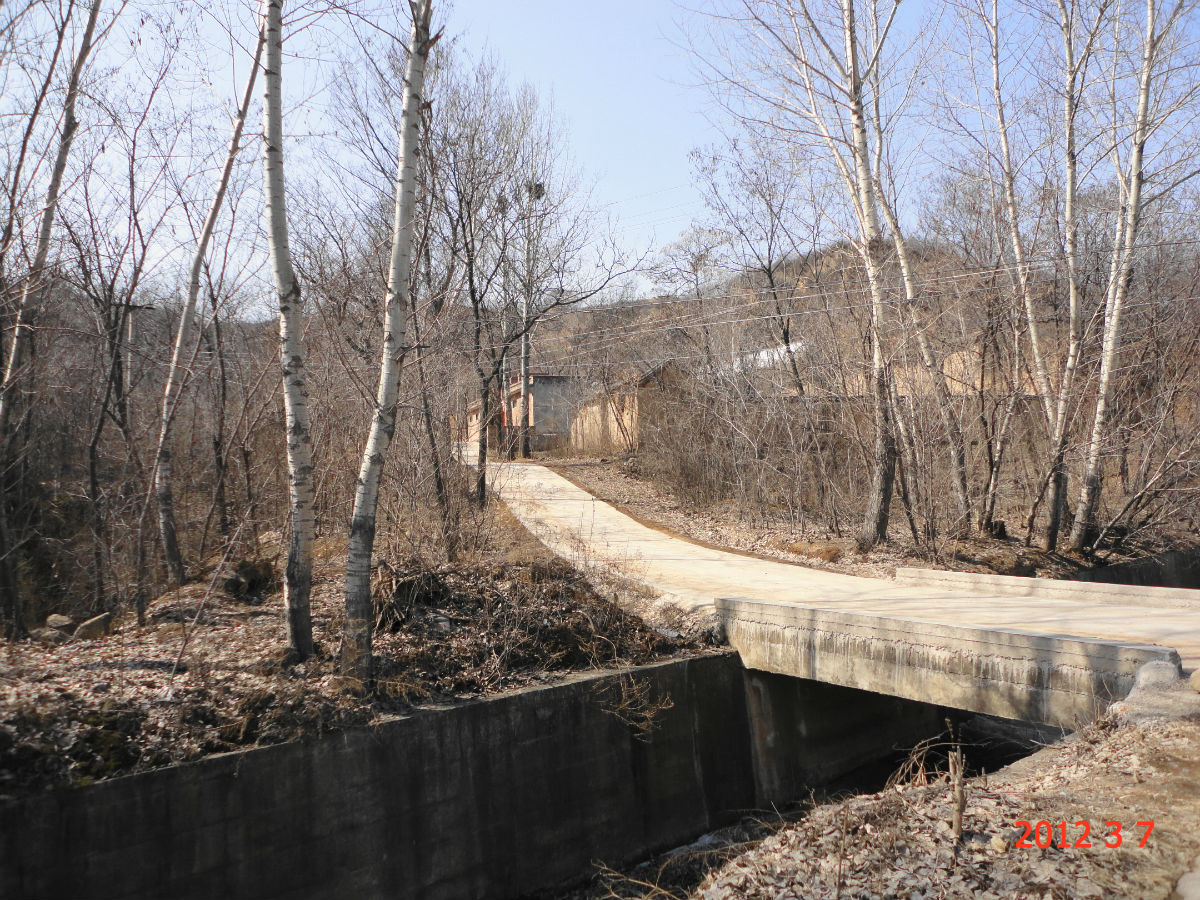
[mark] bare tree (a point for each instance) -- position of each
(114, 258)
(816, 70)
(1079, 37)
(356, 642)
(298, 573)
(177, 371)
(1154, 112)
(523, 250)
(36, 276)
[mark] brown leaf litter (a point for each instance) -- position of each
(898, 843)
(210, 671)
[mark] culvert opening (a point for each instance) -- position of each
(988, 743)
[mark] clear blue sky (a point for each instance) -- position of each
(621, 80)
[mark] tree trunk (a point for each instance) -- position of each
(1016, 241)
(10, 596)
(481, 448)
(251, 500)
(220, 455)
(177, 372)
(298, 573)
(942, 395)
(883, 461)
(114, 329)
(1057, 486)
(356, 640)
(526, 421)
(440, 488)
(1083, 531)
(219, 508)
(987, 516)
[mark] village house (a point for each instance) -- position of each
(617, 419)
(550, 414)
(612, 420)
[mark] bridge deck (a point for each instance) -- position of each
(1102, 644)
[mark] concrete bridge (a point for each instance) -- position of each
(1018, 648)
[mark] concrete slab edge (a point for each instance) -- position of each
(1056, 589)
(1038, 678)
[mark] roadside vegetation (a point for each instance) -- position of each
(211, 671)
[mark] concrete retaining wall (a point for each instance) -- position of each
(807, 734)
(490, 799)
(498, 798)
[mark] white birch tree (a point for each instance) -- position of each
(356, 640)
(808, 69)
(1078, 27)
(298, 572)
(1079, 34)
(1153, 112)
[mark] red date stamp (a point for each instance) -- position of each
(1063, 835)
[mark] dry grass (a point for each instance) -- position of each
(824, 551)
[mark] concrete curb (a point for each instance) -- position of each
(1052, 679)
(1051, 589)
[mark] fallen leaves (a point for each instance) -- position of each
(898, 843)
(210, 672)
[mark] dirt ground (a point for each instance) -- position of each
(210, 673)
(898, 843)
(618, 482)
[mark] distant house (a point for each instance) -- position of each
(550, 413)
(613, 419)
(622, 418)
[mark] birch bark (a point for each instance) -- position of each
(1074, 59)
(1131, 183)
(1017, 243)
(356, 639)
(177, 372)
(298, 574)
(875, 520)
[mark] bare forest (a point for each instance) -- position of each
(945, 285)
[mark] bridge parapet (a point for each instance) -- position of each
(1052, 679)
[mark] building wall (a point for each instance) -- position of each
(551, 413)
(606, 425)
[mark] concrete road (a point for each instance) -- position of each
(580, 527)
